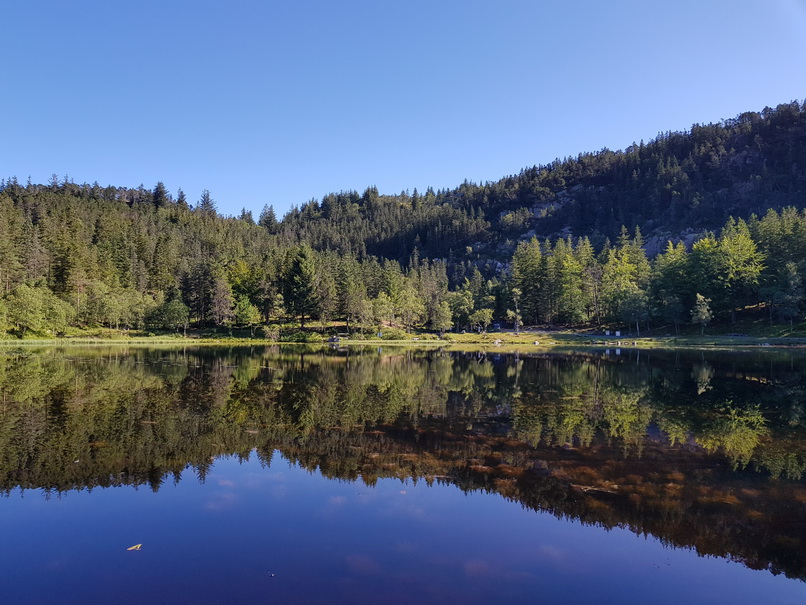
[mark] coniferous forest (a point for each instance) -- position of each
(690, 229)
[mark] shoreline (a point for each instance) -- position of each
(503, 341)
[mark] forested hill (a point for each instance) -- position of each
(676, 186)
(84, 255)
(679, 184)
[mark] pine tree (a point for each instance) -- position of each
(591, 276)
(246, 216)
(206, 206)
(197, 291)
(409, 306)
(790, 295)
(622, 296)
(383, 310)
(299, 284)
(570, 277)
(160, 195)
(353, 302)
(742, 264)
(268, 219)
(221, 302)
(441, 321)
(181, 200)
(527, 268)
(5, 325)
(671, 284)
(325, 293)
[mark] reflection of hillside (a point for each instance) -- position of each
(676, 494)
(656, 445)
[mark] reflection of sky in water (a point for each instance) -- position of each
(331, 541)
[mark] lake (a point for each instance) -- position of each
(361, 475)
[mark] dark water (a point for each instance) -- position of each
(310, 476)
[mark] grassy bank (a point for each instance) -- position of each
(507, 340)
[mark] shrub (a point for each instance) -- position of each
(271, 332)
(394, 334)
(300, 336)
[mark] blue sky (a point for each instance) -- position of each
(280, 102)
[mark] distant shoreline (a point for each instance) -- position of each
(504, 341)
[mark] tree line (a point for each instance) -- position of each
(565, 282)
(525, 250)
(69, 262)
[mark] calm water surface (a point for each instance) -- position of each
(320, 476)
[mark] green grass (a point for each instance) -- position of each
(748, 333)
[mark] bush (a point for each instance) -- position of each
(271, 332)
(171, 315)
(394, 334)
(300, 336)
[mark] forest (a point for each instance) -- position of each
(689, 229)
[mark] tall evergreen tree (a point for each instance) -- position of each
(197, 291)
(246, 216)
(160, 195)
(206, 206)
(671, 284)
(221, 302)
(570, 276)
(299, 284)
(268, 219)
(181, 200)
(741, 264)
(527, 270)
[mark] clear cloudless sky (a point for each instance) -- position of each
(269, 102)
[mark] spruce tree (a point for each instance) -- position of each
(268, 219)
(206, 205)
(160, 195)
(299, 284)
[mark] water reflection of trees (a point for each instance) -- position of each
(590, 398)
(662, 444)
(136, 404)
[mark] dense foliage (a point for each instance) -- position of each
(630, 238)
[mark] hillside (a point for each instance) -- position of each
(574, 242)
(677, 185)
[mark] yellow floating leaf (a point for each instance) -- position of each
(135, 547)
